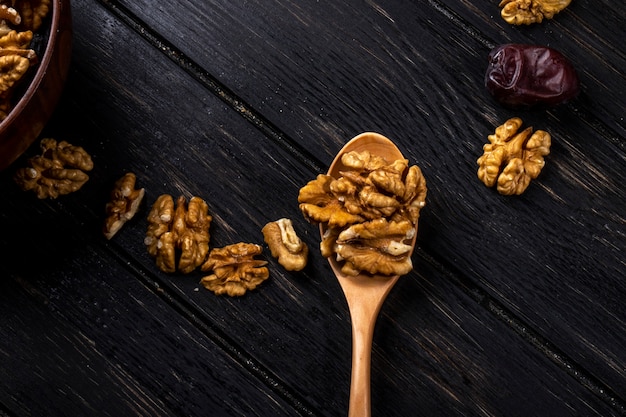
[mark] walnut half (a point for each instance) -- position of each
(123, 205)
(511, 159)
(377, 247)
(60, 169)
(285, 245)
(33, 12)
(526, 12)
(235, 270)
(178, 237)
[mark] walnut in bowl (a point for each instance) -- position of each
(30, 103)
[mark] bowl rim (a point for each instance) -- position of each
(42, 67)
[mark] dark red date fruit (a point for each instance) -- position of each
(528, 76)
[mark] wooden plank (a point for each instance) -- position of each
(400, 69)
(82, 338)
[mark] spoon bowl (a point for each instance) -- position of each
(364, 293)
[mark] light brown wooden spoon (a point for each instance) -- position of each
(365, 294)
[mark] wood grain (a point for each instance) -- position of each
(514, 307)
(423, 88)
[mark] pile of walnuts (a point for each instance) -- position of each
(19, 19)
(370, 213)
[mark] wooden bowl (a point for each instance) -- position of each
(33, 110)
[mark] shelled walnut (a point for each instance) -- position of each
(178, 237)
(285, 245)
(16, 58)
(9, 18)
(123, 205)
(33, 12)
(370, 211)
(60, 169)
(511, 159)
(526, 12)
(376, 247)
(235, 270)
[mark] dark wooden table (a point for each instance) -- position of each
(516, 305)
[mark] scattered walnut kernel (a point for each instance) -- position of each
(512, 159)
(181, 231)
(527, 12)
(59, 170)
(235, 270)
(123, 205)
(370, 211)
(285, 245)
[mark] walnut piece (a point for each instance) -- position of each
(123, 205)
(527, 12)
(9, 17)
(376, 247)
(16, 59)
(60, 169)
(511, 159)
(370, 213)
(178, 237)
(235, 270)
(318, 204)
(285, 245)
(12, 69)
(32, 12)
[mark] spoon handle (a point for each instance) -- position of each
(365, 297)
(362, 334)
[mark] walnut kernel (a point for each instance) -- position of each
(178, 236)
(285, 245)
(511, 159)
(33, 12)
(376, 247)
(60, 169)
(123, 205)
(526, 12)
(235, 270)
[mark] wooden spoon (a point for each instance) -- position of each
(365, 294)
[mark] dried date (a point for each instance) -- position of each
(527, 76)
